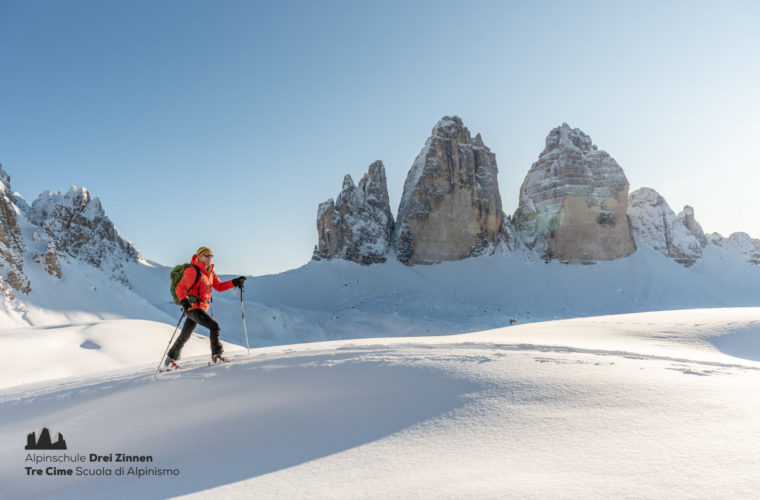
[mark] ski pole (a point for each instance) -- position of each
(242, 311)
(169, 344)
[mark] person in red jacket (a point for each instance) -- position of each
(194, 293)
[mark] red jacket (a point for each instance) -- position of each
(202, 290)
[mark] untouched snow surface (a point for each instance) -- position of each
(336, 300)
(37, 354)
(656, 405)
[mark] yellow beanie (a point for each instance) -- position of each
(203, 251)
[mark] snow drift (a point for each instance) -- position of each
(619, 406)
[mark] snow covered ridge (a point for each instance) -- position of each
(76, 225)
(57, 227)
(680, 237)
(739, 243)
(654, 223)
(63, 261)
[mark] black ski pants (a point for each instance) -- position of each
(194, 318)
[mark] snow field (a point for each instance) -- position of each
(41, 354)
(637, 405)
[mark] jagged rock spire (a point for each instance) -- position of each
(357, 226)
(450, 208)
(686, 216)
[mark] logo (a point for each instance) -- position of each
(44, 442)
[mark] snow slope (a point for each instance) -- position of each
(340, 300)
(640, 405)
(84, 294)
(331, 300)
(39, 354)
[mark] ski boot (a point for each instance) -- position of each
(170, 365)
(217, 359)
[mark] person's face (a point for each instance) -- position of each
(207, 258)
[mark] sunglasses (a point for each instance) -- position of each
(209, 255)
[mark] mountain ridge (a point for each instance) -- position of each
(79, 269)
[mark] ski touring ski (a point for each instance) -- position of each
(171, 367)
(191, 364)
(218, 359)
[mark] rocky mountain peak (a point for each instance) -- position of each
(78, 200)
(356, 226)
(12, 247)
(686, 216)
(655, 224)
(374, 183)
(451, 207)
(573, 201)
(739, 243)
(78, 226)
(448, 126)
(565, 136)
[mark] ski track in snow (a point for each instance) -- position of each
(406, 352)
(632, 405)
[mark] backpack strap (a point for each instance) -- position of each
(197, 277)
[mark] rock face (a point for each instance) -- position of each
(54, 229)
(686, 216)
(740, 243)
(357, 226)
(450, 208)
(74, 223)
(573, 202)
(655, 224)
(50, 260)
(12, 247)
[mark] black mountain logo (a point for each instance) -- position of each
(44, 442)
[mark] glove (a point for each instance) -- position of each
(239, 281)
(186, 305)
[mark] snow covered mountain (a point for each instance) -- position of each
(680, 237)
(73, 224)
(654, 223)
(62, 261)
(60, 226)
(545, 407)
(574, 207)
(573, 203)
(740, 244)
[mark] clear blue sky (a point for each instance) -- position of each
(226, 123)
